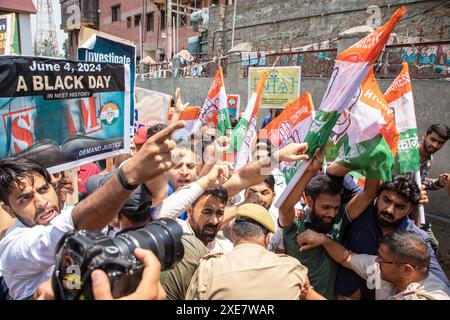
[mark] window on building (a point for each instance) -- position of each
(150, 21)
(129, 22)
(137, 20)
(115, 13)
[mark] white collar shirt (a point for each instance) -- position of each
(27, 255)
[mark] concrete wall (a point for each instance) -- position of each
(273, 24)
(431, 101)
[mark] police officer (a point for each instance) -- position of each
(250, 271)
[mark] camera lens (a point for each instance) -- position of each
(162, 237)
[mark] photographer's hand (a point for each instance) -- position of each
(149, 288)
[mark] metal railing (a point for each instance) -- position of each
(196, 69)
(314, 63)
(427, 60)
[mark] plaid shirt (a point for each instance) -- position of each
(430, 183)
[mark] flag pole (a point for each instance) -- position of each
(324, 165)
(420, 208)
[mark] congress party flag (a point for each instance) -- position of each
(291, 126)
(373, 96)
(215, 107)
(189, 115)
(400, 99)
(351, 68)
(244, 132)
(357, 140)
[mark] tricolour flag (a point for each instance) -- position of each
(400, 99)
(244, 132)
(189, 115)
(357, 140)
(291, 125)
(215, 108)
(350, 69)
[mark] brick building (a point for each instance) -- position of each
(145, 23)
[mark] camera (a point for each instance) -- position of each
(81, 252)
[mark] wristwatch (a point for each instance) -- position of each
(124, 182)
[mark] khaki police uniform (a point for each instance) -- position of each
(249, 271)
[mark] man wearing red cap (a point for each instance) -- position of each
(140, 137)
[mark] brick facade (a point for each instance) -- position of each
(154, 42)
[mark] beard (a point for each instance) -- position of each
(386, 220)
(207, 233)
(319, 224)
(429, 150)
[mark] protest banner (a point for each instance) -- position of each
(9, 34)
(98, 46)
(63, 113)
(282, 85)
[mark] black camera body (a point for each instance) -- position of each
(81, 252)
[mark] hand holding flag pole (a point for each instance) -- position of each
(420, 207)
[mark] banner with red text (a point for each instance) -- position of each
(63, 113)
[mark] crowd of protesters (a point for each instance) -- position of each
(330, 239)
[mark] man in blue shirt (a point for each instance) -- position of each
(389, 212)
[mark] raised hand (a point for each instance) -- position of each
(317, 161)
(154, 157)
(217, 153)
(63, 186)
(444, 178)
(217, 176)
(423, 195)
(293, 152)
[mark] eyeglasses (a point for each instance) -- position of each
(381, 260)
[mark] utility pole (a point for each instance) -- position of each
(234, 24)
(169, 30)
(46, 42)
(177, 48)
